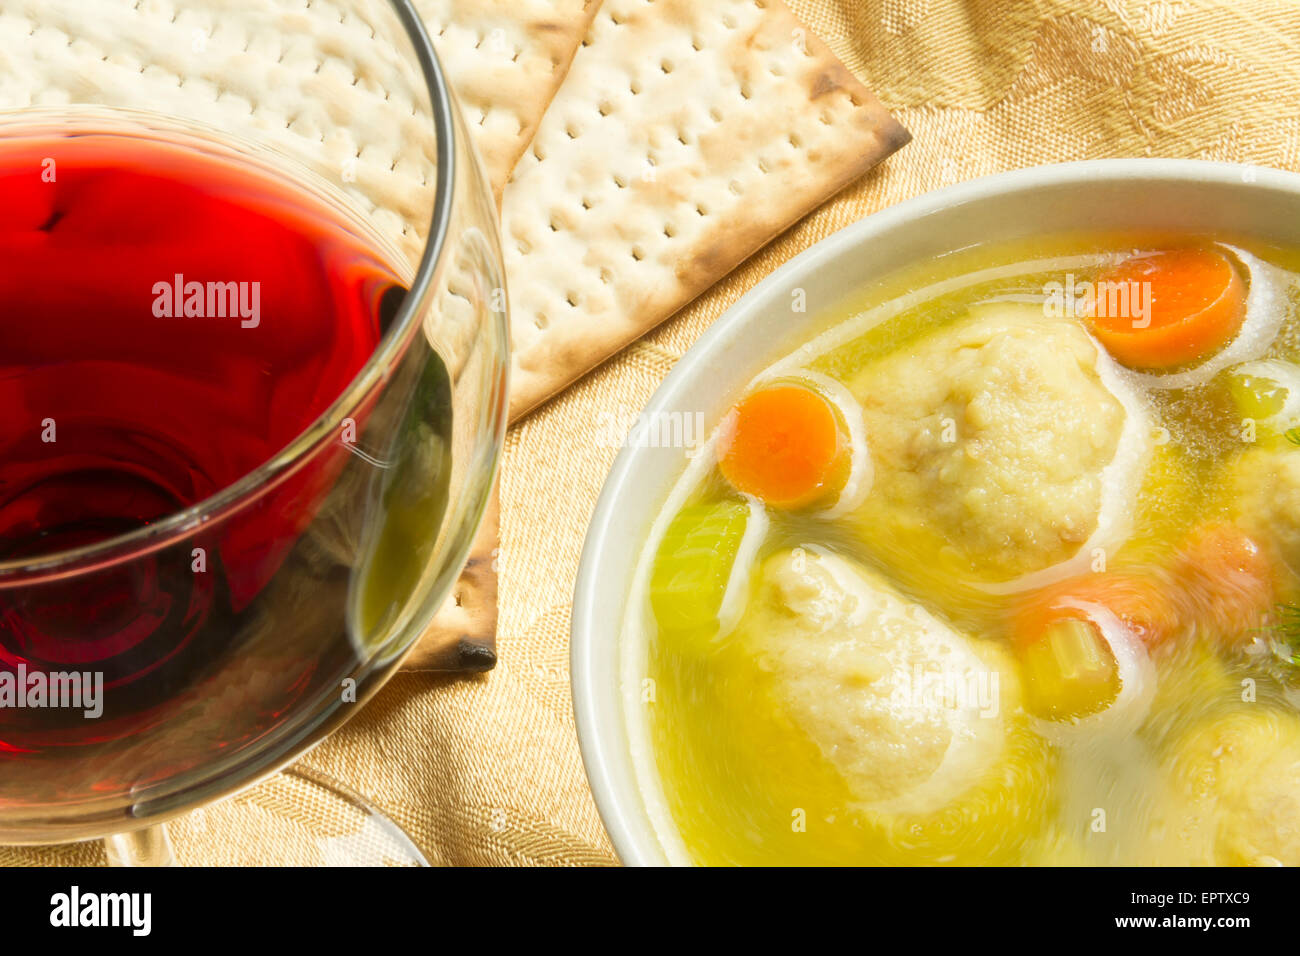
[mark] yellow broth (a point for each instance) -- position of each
(742, 783)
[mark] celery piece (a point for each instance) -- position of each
(1070, 671)
(693, 566)
(1267, 393)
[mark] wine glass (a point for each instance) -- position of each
(228, 529)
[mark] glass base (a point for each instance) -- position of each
(299, 817)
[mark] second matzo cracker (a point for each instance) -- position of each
(684, 137)
(506, 59)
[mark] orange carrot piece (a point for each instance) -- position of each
(1197, 302)
(1138, 600)
(1228, 581)
(782, 444)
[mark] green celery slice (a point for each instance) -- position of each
(692, 568)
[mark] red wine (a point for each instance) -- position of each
(170, 320)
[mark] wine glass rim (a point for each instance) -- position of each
(179, 524)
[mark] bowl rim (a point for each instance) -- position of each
(600, 738)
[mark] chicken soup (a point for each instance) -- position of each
(1002, 567)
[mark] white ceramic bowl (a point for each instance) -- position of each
(1101, 195)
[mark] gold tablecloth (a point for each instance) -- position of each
(486, 770)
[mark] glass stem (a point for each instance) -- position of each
(148, 847)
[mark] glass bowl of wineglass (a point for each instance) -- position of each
(253, 357)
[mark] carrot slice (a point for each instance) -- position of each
(1168, 308)
(782, 444)
(1228, 580)
(1138, 600)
